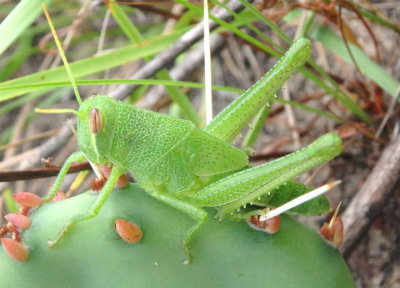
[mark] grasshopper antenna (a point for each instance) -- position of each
(73, 83)
(299, 200)
(62, 54)
(207, 67)
(56, 111)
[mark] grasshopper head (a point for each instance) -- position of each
(96, 122)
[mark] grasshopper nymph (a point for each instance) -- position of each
(186, 167)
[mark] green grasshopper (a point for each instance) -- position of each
(183, 166)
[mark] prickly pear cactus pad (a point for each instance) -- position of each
(227, 254)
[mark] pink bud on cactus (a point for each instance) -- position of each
(18, 220)
(27, 199)
(15, 250)
(59, 196)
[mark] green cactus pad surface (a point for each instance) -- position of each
(226, 254)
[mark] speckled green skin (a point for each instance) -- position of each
(162, 152)
(170, 155)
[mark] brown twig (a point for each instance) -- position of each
(365, 206)
(6, 176)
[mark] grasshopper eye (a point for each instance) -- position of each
(95, 121)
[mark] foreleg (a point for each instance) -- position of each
(93, 210)
(74, 157)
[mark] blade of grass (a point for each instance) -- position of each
(311, 109)
(270, 24)
(255, 128)
(370, 68)
(19, 20)
(18, 58)
(306, 28)
(92, 65)
(253, 28)
(336, 91)
(377, 16)
(94, 82)
(10, 203)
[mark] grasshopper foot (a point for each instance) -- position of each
(61, 235)
(70, 224)
(189, 256)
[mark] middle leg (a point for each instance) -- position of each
(198, 214)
